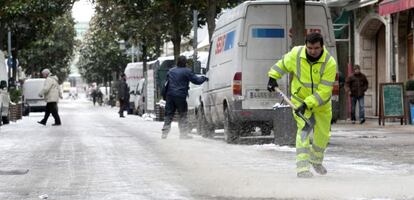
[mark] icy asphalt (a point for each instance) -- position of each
(97, 155)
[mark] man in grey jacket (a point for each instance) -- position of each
(51, 93)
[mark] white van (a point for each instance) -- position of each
(134, 73)
(247, 41)
(4, 94)
(139, 100)
(31, 90)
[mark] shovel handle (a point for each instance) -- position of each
(285, 98)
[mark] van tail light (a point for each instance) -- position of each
(335, 89)
(237, 84)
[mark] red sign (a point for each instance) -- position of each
(392, 6)
(220, 44)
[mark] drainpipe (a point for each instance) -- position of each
(389, 49)
(395, 64)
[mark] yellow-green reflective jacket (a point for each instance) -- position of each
(312, 83)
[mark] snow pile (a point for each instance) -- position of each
(161, 103)
(148, 117)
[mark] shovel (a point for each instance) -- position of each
(307, 121)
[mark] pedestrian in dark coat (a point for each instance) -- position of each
(176, 96)
(356, 86)
(93, 94)
(123, 95)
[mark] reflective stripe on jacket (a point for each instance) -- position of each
(312, 83)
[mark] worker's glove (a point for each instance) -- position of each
(272, 84)
(301, 109)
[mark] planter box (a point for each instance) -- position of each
(15, 111)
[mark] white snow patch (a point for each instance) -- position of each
(279, 105)
(148, 117)
(267, 147)
(162, 103)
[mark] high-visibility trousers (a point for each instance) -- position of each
(306, 153)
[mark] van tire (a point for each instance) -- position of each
(230, 128)
(5, 120)
(202, 126)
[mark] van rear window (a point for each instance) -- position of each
(268, 33)
(266, 42)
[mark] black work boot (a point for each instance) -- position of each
(319, 168)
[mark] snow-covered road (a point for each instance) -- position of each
(97, 155)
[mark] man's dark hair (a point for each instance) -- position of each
(182, 61)
(314, 38)
(123, 75)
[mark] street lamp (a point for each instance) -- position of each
(130, 51)
(122, 45)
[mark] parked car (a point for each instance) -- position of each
(4, 93)
(134, 73)
(32, 101)
(246, 42)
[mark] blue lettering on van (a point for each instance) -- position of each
(268, 33)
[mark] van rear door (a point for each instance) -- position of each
(265, 35)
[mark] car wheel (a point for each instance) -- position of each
(26, 111)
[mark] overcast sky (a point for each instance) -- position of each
(82, 11)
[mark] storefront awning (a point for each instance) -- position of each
(392, 6)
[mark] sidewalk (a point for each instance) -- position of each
(391, 126)
(392, 143)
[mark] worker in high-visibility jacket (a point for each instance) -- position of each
(314, 72)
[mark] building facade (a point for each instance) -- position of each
(382, 43)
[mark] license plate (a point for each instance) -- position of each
(261, 95)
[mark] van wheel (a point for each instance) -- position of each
(202, 126)
(230, 128)
(5, 120)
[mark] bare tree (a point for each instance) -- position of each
(297, 8)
